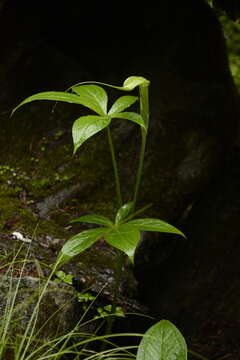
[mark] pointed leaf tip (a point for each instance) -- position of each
(122, 103)
(131, 116)
(124, 238)
(149, 224)
(53, 96)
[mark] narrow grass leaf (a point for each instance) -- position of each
(122, 103)
(93, 96)
(163, 341)
(124, 238)
(154, 225)
(93, 219)
(87, 126)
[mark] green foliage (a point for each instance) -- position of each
(231, 30)
(163, 341)
(124, 233)
(107, 311)
(30, 345)
(63, 277)
(232, 35)
(210, 2)
(87, 126)
(123, 212)
(93, 219)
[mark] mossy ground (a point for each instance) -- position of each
(36, 169)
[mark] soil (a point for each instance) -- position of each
(217, 340)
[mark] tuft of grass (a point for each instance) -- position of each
(30, 345)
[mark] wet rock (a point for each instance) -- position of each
(58, 299)
(198, 282)
(94, 269)
(54, 201)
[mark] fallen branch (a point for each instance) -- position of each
(53, 201)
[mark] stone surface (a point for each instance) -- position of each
(56, 314)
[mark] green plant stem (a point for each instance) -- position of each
(139, 171)
(120, 256)
(115, 167)
(118, 272)
(133, 214)
(118, 275)
(144, 112)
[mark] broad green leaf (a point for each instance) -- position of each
(124, 238)
(87, 126)
(52, 95)
(154, 225)
(132, 116)
(122, 103)
(123, 212)
(163, 341)
(93, 96)
(78, 243)
(93, 219)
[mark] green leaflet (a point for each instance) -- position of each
(62, 276)
(87, 126)
(154, 225)
(78, 243)
(94, 97)
(132, 116)
(94, 219)
(54, 96)
(163, 341)
(123, 212)
(124, 238)
(122, 103)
